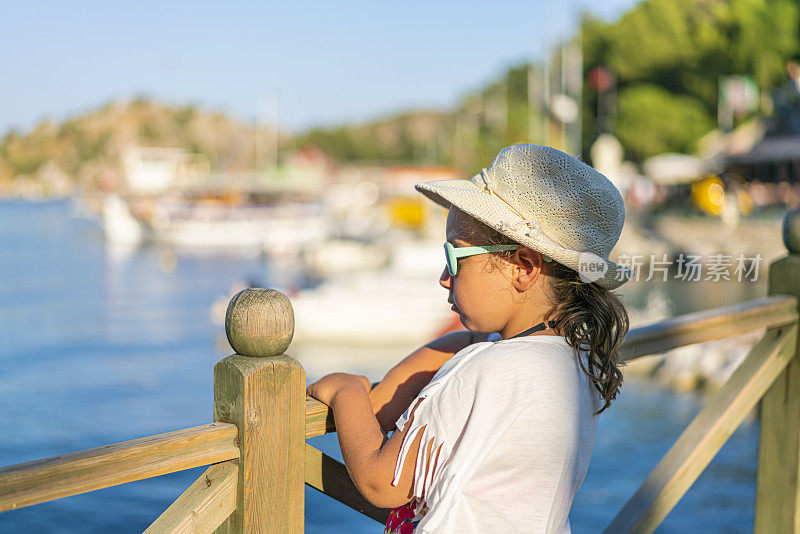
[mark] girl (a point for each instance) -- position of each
(498, 423)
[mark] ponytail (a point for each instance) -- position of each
(592, 319)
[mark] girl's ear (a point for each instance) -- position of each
(526, 267)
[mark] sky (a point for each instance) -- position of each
(299, 62)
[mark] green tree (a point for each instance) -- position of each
(685, 47)
(651, 120)
(764, 35)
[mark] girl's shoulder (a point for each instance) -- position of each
(542, 350)
(520, 360)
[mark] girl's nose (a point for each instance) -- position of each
(445, 280)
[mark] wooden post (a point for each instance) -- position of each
(263, 392)
(778, 492)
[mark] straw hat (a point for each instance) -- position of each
(548, 201)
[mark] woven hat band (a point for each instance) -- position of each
(531, 224)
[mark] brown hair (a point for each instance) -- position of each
(590, 317)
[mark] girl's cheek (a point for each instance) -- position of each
(458, 294)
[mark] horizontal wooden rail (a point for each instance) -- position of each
(706, 434)
(319, 418)
(92, 469)
(330, 476)
(709, 325)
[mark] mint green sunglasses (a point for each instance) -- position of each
(452, 254)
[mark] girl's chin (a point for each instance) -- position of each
(468, 323)
(472, 326)
(465, 321)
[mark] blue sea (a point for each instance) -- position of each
(99, 346)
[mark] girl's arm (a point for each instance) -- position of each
(392, 396)
(369, 456)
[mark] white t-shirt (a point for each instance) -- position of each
(515, 421)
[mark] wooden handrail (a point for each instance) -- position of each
(92, 469)
(709, 325)
(706, 434)
(319, 418)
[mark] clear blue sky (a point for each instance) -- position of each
(322, 62)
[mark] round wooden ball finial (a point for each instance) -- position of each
(259, 322)
(791, 231)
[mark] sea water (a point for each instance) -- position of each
(100, 345)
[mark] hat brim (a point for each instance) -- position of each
(470, 198)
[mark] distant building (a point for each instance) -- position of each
(776, 158)
(406, 207)
(151, 170)
(401, 179)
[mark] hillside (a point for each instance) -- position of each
(484, 121)
(87, 146)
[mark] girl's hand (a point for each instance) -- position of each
(326, 388)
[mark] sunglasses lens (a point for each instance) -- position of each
(450, 259)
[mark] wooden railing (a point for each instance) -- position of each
(260, 462)
(93, 469)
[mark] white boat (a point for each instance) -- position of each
(274, 228)
(400, 305)
(278, 229)
(376, 308)
(336, 257)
